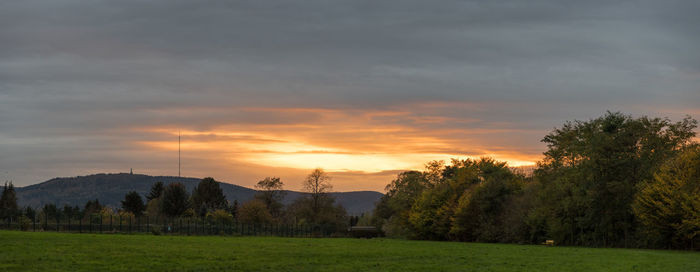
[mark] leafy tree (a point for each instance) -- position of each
(393, 209)
(208, 196)
(254, 212)
(175, 200)
(133, 203)
(668, 206)
(480, 212)
(156, 191)
(8, 201)
(591, 172)
(270, 192)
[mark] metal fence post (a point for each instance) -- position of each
(100, 222)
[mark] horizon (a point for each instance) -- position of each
(363, 91)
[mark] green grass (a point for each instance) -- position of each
(20, 251)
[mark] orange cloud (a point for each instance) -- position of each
(342, 141)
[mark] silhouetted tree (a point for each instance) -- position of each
(175, 200)
(156, 191)
(208, 196)
(270, 192)
(133, 203)
(8, 201)
(318, 185)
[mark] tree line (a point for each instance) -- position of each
(206, 201)
(614, 181)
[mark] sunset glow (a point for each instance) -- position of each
(277, 89)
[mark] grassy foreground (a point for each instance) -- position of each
(20, 251)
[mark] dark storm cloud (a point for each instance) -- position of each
(72, 72)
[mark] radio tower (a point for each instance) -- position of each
(178, 153)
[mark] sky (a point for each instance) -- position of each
(362, 89)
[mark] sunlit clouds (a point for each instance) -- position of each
(342, 140)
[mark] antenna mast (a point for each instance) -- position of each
(178, 153)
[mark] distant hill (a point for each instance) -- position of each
(111, 188)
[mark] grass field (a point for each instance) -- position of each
(48, 251)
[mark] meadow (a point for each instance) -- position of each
(50, 251)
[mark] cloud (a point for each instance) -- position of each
(104, 85)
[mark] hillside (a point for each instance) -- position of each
(111, 188)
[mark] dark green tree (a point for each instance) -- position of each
(156, 191)
(208, 196)
(8, 201)
(591, 172)
(133, 203)
(175, 200)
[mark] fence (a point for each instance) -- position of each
(162, 225)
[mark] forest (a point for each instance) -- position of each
(614, 181)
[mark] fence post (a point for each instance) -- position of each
(34, 222)
(148, 226)
(120, 223)
(129, 224)
(100, 222)
(80, 225)
(57, 218)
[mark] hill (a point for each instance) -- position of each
(111, 188)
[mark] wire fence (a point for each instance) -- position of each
(162, 225)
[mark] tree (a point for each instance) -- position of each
(175, 200)
(133, 203)
(156, 191)
(233, 210)
(208, 196)
(393, 209)
(317, 185)
(318, 207)
(668, 206)
(270, 192)
(8, 201)
(254, 212)
(592, 170)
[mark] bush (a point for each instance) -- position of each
(24, 222)
(220, 216)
